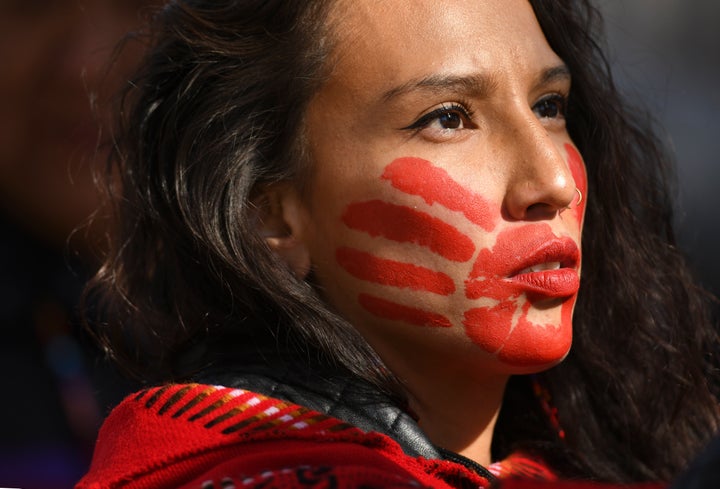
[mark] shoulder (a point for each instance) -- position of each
(195, 435)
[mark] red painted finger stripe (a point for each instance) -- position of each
(403, 224)
(395, 312)
(419, 177)
(390, 272)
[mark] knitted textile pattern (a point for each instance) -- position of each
(202, 436)
(197, 436)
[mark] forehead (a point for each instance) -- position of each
(391, 41)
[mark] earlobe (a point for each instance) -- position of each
(282, 225)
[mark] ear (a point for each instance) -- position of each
(283, 222)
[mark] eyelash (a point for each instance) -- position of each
(560, 101)
(428, 118)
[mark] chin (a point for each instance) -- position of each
(529, 357)
(526, 339)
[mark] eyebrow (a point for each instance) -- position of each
(475, 85)
(471, 85)
(555, 74)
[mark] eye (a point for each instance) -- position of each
(551, 107)
(445, 118)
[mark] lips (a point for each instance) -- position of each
(563, 282)
(529, 259)
(550, 270)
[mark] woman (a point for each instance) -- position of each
(368, 215)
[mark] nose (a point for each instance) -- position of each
(540, 183)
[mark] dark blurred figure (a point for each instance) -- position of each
(55, 85)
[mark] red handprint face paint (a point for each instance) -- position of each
(526, 264)
(416, 176)
(371, 268)
(404, 224)
(442, 214)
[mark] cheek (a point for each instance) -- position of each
(577, 169)
(383, 271)
(401, 257)
(406, 225)
(393, 311)
(415, 176)
(426, 243)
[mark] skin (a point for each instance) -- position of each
(56, 58)
(495, 166)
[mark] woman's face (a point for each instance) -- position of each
(444, 221)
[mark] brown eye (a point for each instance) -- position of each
(551, 107)
(450, 120)
(452, 117)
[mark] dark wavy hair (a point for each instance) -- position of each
(217, 112)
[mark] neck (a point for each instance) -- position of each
(459, 413)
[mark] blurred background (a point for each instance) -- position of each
(56, 86)
(56, 83)
(666, 55)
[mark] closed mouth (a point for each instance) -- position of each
(542, 268)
